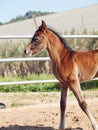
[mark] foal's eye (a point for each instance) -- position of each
(36, 39)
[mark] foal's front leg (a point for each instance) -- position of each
(63, 106)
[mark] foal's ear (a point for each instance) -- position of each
(43, 25)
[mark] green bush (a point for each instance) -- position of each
(92, 85)
(42, 87)
(45, 87)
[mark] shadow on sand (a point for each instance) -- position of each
(16, 127)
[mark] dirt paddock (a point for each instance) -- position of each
(45, 115)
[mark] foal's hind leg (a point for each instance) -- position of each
(75, 87)
(63, 106)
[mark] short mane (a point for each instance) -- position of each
(61, 39)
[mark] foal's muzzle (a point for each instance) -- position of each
(28, 52)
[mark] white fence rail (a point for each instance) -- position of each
(35, 58)
(29, 82)
(24, 59)
(64, 36)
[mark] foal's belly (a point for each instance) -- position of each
(88, 75)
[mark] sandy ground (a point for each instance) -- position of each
(45, 116)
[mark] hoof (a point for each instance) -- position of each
(2, 106)
(96, 127)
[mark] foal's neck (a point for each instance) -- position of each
(56, 48)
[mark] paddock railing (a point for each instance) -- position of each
(64, 36)
(35, 59)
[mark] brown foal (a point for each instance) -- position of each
(69, 67)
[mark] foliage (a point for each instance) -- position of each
(31, 14)
(17, 104)
(18, 18)
(43, 87)
(83, 43)
(90, 85)
(1, 23)
(28, 15)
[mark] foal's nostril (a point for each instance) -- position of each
(25, 51)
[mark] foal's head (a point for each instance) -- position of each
(38, 42)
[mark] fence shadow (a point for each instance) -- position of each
(17, 127)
